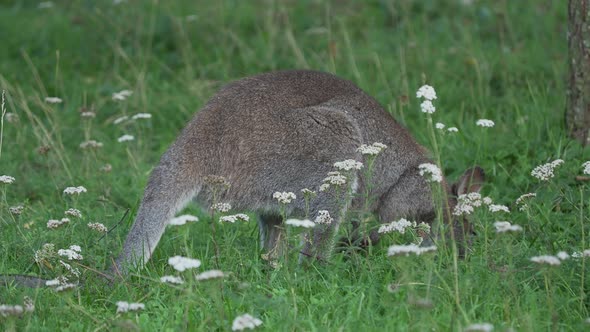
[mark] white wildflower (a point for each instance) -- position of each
(45, 253)
(498, 208)
(74, 213)
(563, 255)
(586, 166)
(11, 117)
(87, 114)
(439, 125)
(91, 144)
(221, 207)
(125, 138)
(96, 226)
(245, 322)
(28, 304)
(16, 210)
(308, 192)
(73, 253)
(120, 119)
(427, 107)
(64, 287)
(141, 116)
(183, 263)
(7, 179)
(546, 259)
(53, 223)
(53, 100)
(348, 165)
(466, 203)
(122, 95)
(373, 149)
(233, 218)
(585, 253)
(506, 226)
(480, 327)
(305, 223)
(323, 217)
(284, 197)
(432, 172)
(75, 190)
(123, 306)
(406, 250)
(172, 280)
(452, 129)
(211, 274)
(427, 92)
(397, 226)
(181, 220)
(545, 172)
(485, 123)
(13, 310)
(69, 268)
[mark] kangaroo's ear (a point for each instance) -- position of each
(471, 181)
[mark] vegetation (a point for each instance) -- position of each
(500, 60)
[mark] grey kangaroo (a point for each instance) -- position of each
(283, 131)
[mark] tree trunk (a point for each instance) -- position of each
(578, 97)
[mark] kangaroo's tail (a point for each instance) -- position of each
(170, 187)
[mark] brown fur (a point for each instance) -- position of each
(282, 131)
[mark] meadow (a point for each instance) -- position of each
(95, 92)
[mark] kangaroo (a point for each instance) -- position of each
(283, 131)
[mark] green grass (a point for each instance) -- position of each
(502, 60)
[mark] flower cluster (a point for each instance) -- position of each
(586, 167)
(397, 226)
(371, 150)
(427, 92)
(348, 165)
(123, 306)
(7, 179)
(406, 250)
(211, 274)
(73, 253)
(233, 218)
(125, 138)
(75, 190)
(305, 223)
(545, 172)
(221, 207)
(73, 213)
(16, 210)
(546, 259)
(431, 172)
(181, 220)
(245, 321)
(181, 264)
(284, 197)
(122, 95)
(467, 202)
(323, 217)
(53, 100)
(506, 226)
(333, 178)
(91, 144)
(45, 253)
(523, 199)
(141, 116)
(485, 123)
(53, 223)
(498, 208)
(96, 226)
(172, 280)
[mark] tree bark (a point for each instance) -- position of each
(578, 97)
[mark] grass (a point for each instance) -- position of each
(491, 59)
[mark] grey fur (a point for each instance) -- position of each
(283, 131)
